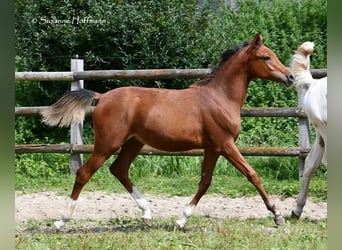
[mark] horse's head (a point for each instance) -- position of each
(306, 48)
(265, 64)
(300, 64)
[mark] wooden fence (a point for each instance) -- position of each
(77, 75)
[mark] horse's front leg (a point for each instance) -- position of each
(208, 165)
(233, 155)
(312, 162)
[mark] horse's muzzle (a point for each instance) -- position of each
(289, 80)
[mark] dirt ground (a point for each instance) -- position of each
(105, 206)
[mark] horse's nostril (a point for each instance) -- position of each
(291, 78)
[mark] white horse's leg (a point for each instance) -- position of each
(311, 163)
(143, 205)
(325, 155)
(323, 132)
(324, 159)
(66, 216)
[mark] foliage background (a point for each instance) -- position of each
(160, 34)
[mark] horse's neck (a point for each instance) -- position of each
(303, 78)
(232, 84)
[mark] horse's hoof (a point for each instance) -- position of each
(279, 220)
(178, 227)
(148, 222)
(57, 225)
(295, 215)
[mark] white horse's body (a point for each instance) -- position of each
(315, 107)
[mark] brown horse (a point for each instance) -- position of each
(206, 115)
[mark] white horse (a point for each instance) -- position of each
(315, 107)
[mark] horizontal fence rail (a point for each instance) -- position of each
(142, 74)
(245, 112)
(147, 150)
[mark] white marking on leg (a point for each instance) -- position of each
(142, 203)
(186, 214)
(66, 216)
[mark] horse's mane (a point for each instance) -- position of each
(225, 56)
(300, 64)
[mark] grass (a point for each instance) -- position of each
(201, 233)
(171, 176)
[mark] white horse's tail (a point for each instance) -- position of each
(300, 64)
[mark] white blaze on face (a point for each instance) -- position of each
(142, 203)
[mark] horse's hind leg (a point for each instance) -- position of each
(120, 168)
(208, 165)
(232, 154)
(312, 162)
(82, 177)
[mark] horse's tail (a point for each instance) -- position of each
(71, 107)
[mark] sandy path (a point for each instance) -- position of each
(104, 206)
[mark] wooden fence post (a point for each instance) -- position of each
(304, 130)
(76, 129)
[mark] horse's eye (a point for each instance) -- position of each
(266, 58)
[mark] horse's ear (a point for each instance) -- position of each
(257, 41)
